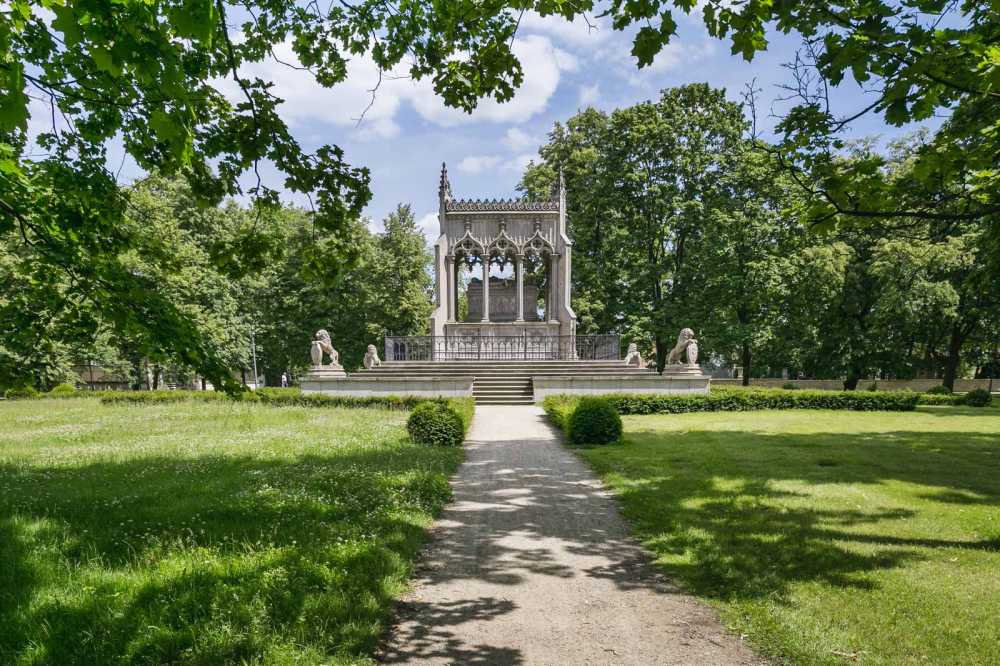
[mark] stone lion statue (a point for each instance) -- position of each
(323, 345)
(632, 356)
(685, 343)
(371, 358)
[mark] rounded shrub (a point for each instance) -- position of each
(978, 398)
(939, 390)
(22, 393)
(434, 423)
(790, 386)
(595, 421)
(62, 391)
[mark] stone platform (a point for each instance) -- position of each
(511, 381)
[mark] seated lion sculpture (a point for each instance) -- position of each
(371, 358)
(685, 343)
(633, 357)
(323, 345)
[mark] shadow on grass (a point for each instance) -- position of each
(210, 559)
(710, 503)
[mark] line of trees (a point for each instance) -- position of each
(185, 261)
(680, 217)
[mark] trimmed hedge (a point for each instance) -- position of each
(290, 397)
(293, 397)
(977, 398)
(594, 421)
(940, 389)
(154, 397)
(23, 393)
(939, 399)
(741, 401)
(436, 423)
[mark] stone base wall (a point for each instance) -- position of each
(545, 386)
(362, 387)
(920, 385)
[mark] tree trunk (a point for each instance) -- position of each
(137, 374)
(954, 356)
(661, 353)
(747, 357)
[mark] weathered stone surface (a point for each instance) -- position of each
(633, 357)
(591, 385)
(429, 387)
(371, 358)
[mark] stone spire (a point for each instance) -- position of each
(444, 189)
(561, 199)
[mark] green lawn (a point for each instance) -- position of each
(206, 533)
(827, 537)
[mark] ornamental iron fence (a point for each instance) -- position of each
(502, 347)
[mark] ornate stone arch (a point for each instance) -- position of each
(503, 245)
(467, 246)
(537, 244)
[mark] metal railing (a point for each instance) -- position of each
(502, 347)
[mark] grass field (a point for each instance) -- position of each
(827, 537)
(206, 533)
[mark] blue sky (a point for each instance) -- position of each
(407, 131)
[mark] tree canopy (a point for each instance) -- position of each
(145, 73)
(681, 218)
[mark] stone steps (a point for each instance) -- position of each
(503, 390)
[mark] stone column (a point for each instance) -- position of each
(486, 288)
(519, 271)
(454, 291)
(551, 305)
(449, 291)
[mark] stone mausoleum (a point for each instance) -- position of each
(502, 328)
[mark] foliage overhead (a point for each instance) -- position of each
(147, 73)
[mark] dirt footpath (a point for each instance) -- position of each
(532, 564)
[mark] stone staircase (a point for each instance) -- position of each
(500, 382)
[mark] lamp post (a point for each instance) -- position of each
(253, 352)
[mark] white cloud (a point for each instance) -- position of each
(579, 33)
(519, 163)
(479, 163)
(678, 53)
(306, 102)
(589, 94)
(430, 227)
(517, 139)
(543, 65)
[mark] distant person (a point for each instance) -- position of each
(284, 380)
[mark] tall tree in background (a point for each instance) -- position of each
(388, 291)
(740, 268)
(643, 185)
(147, 71)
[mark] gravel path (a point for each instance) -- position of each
(532, 564)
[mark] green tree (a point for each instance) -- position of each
(640, 184)
(388, 291)
(741, 266)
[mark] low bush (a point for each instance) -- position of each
(939, 390)
(465, 408)
(559, 408)
(436, 423)
(154, 397)
(727, 400)
(62, 390)
(22, 393)
(594, 421)
(939, 399)
(293, 397)
(977, 398)
(790, 386)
